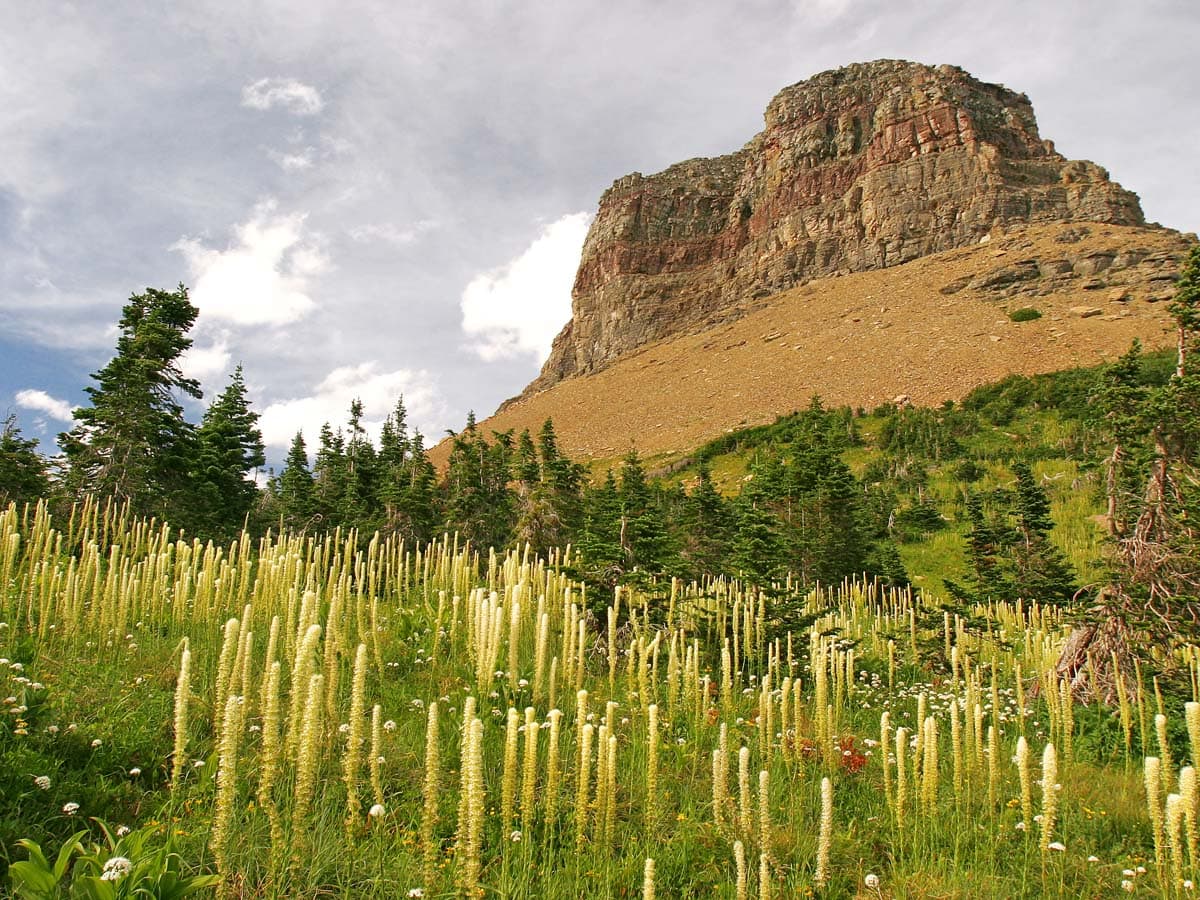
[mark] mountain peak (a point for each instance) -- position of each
(859, 168)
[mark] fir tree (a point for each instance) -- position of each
(643, 534)
(229, 447)
(706, 526)
(22, 469)
(297, 493)
(330, 475)
(132, 443)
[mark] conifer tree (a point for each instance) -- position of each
(22, 469)
(330, 475)
(229, 447)
(643, 533)
(706, 526)
(132, 442)
(419, 511)
(297, 494)
(600, 541)
(356, 507)
(756, 550)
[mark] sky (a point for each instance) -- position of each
(371, 198)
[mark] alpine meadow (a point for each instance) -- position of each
(846, 545)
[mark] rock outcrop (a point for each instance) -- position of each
(861, 168)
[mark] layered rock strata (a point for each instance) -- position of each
(861, 168)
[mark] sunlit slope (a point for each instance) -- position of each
(930, 330)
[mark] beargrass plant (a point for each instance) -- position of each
(860, 744)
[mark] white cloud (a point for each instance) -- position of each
(391, 234)
(294, 162)
(43, 402)
(296, 97)
(202, 363)
(520, 307)
(263, 277)
(330, 402)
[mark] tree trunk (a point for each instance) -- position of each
(1099, 653)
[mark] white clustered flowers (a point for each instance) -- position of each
(390, 725)
(135, 772)
(416, 892)
(872, 881)
(122, 830)
(515, 837)
(1127, 886)
(70, 808)
(116, 868)
(1056, 845)
(43, 782)
(375, 811)
(96, 743)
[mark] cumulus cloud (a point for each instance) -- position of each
(519, 308)
(296, 97)
(330, 402)
(40, 401)
(204, 362)
(263, 276)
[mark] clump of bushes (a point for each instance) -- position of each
(1025, 314)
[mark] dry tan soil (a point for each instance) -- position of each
(862, 339)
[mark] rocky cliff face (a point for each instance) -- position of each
(861, 168)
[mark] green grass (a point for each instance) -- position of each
(108, 667)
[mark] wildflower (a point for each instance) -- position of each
(116, 868)
(1127, 886)
(375, 812)
(1021, 826)
(198, 764)
(515, 837)
(122, 830)
(70, 808)
(872, 881)
(416, 892)
(1093, 859)
(390, 725)
(1188, 885)
(1141, 870)
(344, 728)
(1056, 845)
(96, 743)
(1128, 873)
(43, 782)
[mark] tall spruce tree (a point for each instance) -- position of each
(706, 527)
(229, 448)
(132, 442)
(297, 493)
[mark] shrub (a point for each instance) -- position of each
(1025, 314)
